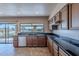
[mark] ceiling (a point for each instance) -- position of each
(26, 9)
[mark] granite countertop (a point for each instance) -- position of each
(33, 33)
(67, 44)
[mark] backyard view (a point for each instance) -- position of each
(7, 31)
(32, 28)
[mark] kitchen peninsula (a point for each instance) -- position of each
(30, 40)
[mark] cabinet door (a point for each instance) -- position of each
(39, 42)
(50, 46)
(42, 41)
(55, 47)
(15, 44)
(75, 16)
(35, 41)
(15, 41)
(62, 53)
(57, 17)
(64, 17)
(29, 41)
(55, 52)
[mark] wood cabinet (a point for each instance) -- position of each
(55, 49)
(64, 17)
(58, 20)
(62, 53)
(36, 41)
(69, 17)
(29, 41)
(42, 41)
(50, 46)
(50, 22)
(75, 16)
(50, 25)
(15, 41)
(57, 17)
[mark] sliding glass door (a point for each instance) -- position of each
(7, 32)
(10, 32)
(2, 33)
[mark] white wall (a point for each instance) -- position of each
(68, 33)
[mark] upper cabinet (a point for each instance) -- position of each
(75, 16)
(58, 20)
(64, 17)
(52, 22)
(67, 18)
(57, 17)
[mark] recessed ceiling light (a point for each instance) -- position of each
(1, 12)
(18, 13)
(37, 12)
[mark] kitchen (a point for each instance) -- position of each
(57, 32)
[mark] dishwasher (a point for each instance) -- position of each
(21, 41)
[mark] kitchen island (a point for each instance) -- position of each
(30, 40)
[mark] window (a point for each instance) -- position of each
(26, 28)
(32, 28)
(38, 27)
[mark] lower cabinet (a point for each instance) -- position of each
(62, 53)
(54, 48)
(55, 52)
(36, 41)
(15, 44)
(42, 41)
(29, 41)
(15, 41)
(50, 46)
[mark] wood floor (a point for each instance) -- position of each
(9, 50)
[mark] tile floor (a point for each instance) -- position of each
(9, 50)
